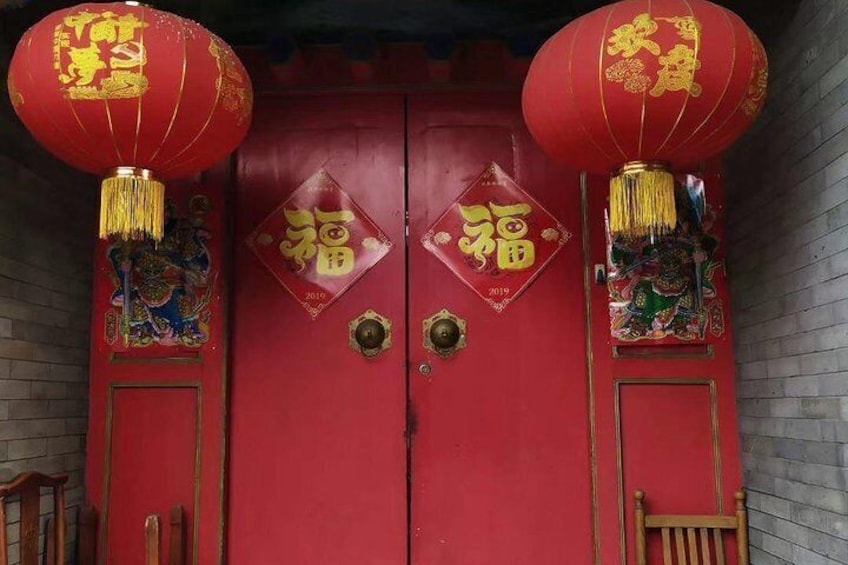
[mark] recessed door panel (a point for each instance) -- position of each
(500, 457)
(163, 468)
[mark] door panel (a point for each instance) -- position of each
(318, 455)
(138, 416)
(500, 459)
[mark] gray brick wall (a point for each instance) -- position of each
(47, 232)
(788, 262)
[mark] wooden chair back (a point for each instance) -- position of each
(28, 486)
(153, 542)
(693, 540)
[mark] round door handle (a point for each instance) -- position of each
(444, 334)
(370, 334)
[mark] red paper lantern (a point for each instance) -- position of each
(136, 95)
(639, 88)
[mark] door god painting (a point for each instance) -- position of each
(162, 292)
(665, 289)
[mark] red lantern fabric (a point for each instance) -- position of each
(668, 81)
(112, 85)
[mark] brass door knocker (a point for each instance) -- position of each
(444, 334)
(370, 334)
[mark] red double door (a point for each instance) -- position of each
(406, 457)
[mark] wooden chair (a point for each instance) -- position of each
(152, 539)
(687, 547)
(28, 486)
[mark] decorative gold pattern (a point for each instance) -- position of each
(232, 85)
(756, 95)
(372, 243)
(677, 67)
(14, 95)
(442, 238)
(100, 56)
(687, 27)
(553, 234)
(632, 73)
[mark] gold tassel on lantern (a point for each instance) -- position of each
(132, 204)
(642, 200)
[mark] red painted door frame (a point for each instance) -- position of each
(628, 404)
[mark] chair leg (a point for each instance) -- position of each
(152, 541)
(176, 550)
(741, 529)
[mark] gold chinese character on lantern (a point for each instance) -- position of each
(482, 223)
(677, 67)
(321, 236)
(678, 72)
(100, 56)
(629, 39)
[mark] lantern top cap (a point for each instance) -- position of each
(640, 166)
(120, 172)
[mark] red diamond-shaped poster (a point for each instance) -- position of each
(496, 238)
(318, 243)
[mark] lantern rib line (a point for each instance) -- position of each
(79, 122)
(70, 143)
(741, 99)
(571, 90)
(112, 133)
(644, 101)
(180, 96)
(202, 130)
(723, 94)
(140, 96)
(698, 40)
(601, 83)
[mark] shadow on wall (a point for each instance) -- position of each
(254, 22)
(768, 18)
